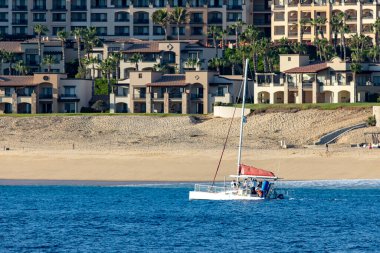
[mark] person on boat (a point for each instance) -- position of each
(233, 184)
(245, 184)
(258, 190)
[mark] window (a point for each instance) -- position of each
(158, 30)
(57, 29)
(79, 16)
(289, 58)
(141, 30)
(181, 31)
(3, 30)
(69, 91)
(101, 31)
(222, 91)
(3, 16)
(59, 17)
(140, 75)
(39, 17)
(122, 30)
(99, 17)
(196, 30)
(376, 80)
(69, 108)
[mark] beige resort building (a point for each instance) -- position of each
(327, 82)
(193, 92)
(43, 93)
(173, 54)
(120, 17)
(287, 14)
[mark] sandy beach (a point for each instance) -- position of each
(140, 148)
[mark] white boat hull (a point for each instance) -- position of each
(199, 195)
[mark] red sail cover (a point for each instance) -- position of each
(252, 171)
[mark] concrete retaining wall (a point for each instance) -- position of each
(376, 112)
(227, 112)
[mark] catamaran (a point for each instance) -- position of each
(249, 183)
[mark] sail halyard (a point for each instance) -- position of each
(242, 116)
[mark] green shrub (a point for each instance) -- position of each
(101, 86)
(371, 121)
(100, 106)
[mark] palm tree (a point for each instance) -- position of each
(161, 17)
(40, 30)
(216, 63)
(233, 59)
(62, 36)
(78, 35)
(321, 22)
(107, 67)
(20, 68)
(252, 36)
(214, 32)
(10, 58)
(303, 22)
(116, 57)
(92, 61)
(223, 36)
(193, 62)
(237, 28)
(136, 58)
(178, 16)
(374, 53)
(90, 39)
(160, 67)
(376, 29)
(49, 60)
(355, 68)
(343, 29)
(1, 61)
(335, 23)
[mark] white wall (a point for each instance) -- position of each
(227, 112)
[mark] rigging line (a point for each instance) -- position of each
(228, 134)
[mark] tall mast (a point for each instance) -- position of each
(242, 116)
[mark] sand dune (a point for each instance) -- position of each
(136, 148)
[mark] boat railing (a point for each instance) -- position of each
(210, 188)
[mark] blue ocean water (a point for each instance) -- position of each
(316, 216)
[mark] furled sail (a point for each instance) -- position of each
(252, 171)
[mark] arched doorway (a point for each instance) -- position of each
(24, 108)
(263, 97)
(344, 96)
(278, 97)
(121, 107)
(5, 108)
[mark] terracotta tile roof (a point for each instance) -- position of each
(17, 81)
(313, 68)
(11, 46)
(51, 42)
(170, 80)
(143, 47)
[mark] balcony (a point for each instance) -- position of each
(141, 5)
(138, 21)
(215, 21)
(100, 6)
(234, 7)
(59, 8)
(20, 22)
(79, 8)
(121, 19)
(39, 8)
(45, 96)
(139, 96)
(20, 8)
(196, 21)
